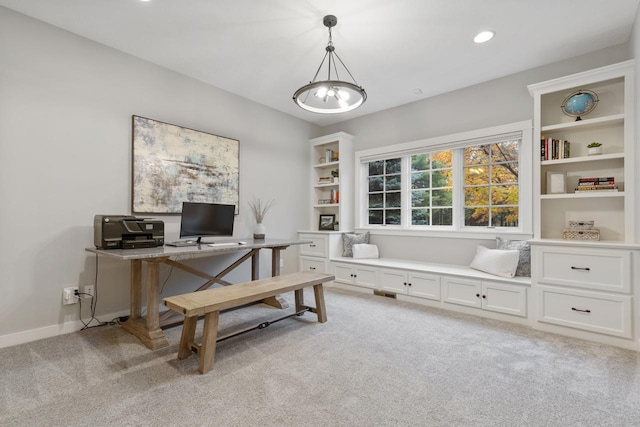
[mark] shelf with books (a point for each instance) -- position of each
(583, 195)
(583, 159)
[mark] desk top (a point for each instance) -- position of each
(204, 248)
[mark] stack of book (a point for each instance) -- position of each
(554, 149)
(597, 184)
(330, 156)
(335, 196)
(325, 180)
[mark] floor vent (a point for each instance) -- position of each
(384, 294)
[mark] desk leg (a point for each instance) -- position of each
(276, 301)
(136, 289)
(147, 330)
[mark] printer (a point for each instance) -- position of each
(127, 232)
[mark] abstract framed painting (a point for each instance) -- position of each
(172, 164)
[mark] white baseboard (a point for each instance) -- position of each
(51, 331)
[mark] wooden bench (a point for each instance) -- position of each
(208, 303)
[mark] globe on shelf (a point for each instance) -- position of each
(580, 103)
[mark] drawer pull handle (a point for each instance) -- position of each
(581, 268)
(581, 311)
(478, 295)
(312, 246)
(312, 268)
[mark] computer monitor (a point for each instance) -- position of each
(206, 219)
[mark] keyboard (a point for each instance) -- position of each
(182, 243)
(219, 245)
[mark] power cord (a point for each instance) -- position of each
(93, 305)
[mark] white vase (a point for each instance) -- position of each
(259, 231)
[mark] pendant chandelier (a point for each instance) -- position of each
(332, 95)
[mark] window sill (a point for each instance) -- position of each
(488, 234)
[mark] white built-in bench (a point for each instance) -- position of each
(445, 284)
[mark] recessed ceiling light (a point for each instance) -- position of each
(484, 36)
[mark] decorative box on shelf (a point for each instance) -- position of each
(581, 230)
(581, 225)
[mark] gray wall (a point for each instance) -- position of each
(65, 147)
(65, 143)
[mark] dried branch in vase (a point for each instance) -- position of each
(260, 208)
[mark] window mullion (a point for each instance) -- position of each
(405, 188)
(458, 188)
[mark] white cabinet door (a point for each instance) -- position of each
(509, 299)
(359, 275)
(343, 273)
(393, 281)
(423, 285)
(462, 291)
(366, 276)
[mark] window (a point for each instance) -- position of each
(491, 184)
(432, 188)
(385, 192)
(465, 182)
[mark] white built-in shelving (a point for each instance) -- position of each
(610, 123)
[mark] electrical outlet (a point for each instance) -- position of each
(69, 295)
(89, 291)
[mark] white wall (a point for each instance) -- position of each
(65, 155)
(497, 102)
(635, 53)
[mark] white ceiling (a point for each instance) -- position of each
(265, 49)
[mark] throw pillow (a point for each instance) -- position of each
(363, 250)
(496, 261)
(524, 260)
(350, 239)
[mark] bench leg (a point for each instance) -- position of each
(321, 309)
(187, 337)
(209, 336)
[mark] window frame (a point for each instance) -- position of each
(522, 130)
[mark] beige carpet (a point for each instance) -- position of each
(376, 362)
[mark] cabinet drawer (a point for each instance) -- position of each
(318, 246)
(313, 264)
(596, 312)
(601, 269)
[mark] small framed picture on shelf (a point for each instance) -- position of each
(326, 222)
(556, 183)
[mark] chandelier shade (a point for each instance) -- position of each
(332, 95)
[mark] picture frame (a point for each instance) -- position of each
(172, 164)
(556, 183)
(326, 222)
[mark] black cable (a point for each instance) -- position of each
(93, 305)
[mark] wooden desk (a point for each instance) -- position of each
(148, 329)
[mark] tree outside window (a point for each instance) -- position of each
(491, 189)
(385, 196)
(432, 188)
